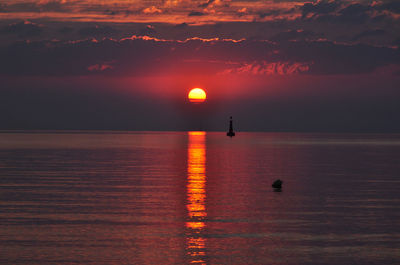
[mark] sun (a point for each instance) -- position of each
(197, 95)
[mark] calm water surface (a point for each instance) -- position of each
(200, 198)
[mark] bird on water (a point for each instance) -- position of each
(230, 133)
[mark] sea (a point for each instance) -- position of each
(81, 197)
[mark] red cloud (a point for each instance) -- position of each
(152, 10)
(100, 67)
(272, 68)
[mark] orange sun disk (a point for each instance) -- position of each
(197, 95)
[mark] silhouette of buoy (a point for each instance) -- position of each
(230, 133)
(277, 185)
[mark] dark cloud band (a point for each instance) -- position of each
(145, 55)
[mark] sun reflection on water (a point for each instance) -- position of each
(196, 196)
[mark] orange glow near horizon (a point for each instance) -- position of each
(197, 95)
(196, 196)
(197, 133)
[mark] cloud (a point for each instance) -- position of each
(96, 30)
(354, 13)
(320, 7)
(40, 6)
(207, 11)
(147, 31)
(100, 67)
(66, 30)
(206, 4)
(143, 55)
(299, 34)
(195, 14)
(152, 10)
(274, 13)
(266, 68)
(369, 33)
(335, 58)
(242, 11)
(349, 12)
(181, 25)
(22, 29)
(392, 6)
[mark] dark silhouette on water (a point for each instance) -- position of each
(277, 185)
(230, 133)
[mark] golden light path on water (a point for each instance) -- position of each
(196, 196)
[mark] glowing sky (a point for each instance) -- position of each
(317, 65)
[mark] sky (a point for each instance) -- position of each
(301, 66)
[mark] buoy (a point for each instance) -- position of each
(277, 185)
(230, 133)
